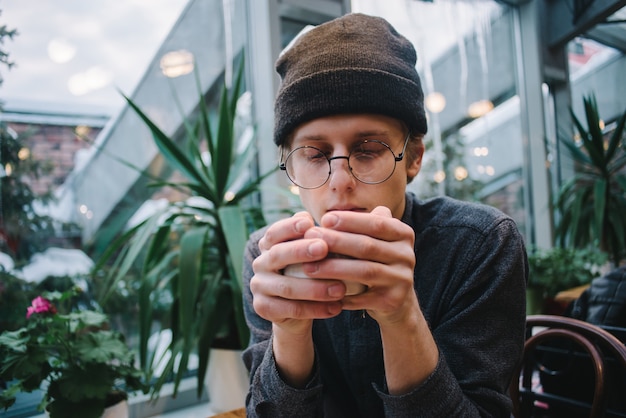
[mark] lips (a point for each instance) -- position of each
(349, 209)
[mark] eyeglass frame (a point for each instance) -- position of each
(283, 167)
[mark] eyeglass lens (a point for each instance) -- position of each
(370, 162)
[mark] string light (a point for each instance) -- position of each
(460, 173)
(229, 196)
(435, 102)
(177, 63)
(294, 189)
(481, 151)
(23, 154)
(479, 108)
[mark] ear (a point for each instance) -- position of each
(414, 165)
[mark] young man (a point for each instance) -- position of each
(397, 307)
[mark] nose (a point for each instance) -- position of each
(340, 175)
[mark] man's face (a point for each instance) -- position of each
(337, 136)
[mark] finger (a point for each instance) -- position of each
(354, 272)
(277, 297)
(367, 247)
(286, 230)
(280, 255)
(382, 304)
(296, 288)
(377, 225)
(282, 310)
(382, 211)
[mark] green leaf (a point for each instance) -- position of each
(236, 88)
(137, 243)
(169, 149)
(222, 160)
(575, 211)
(236, 234)
(189, 280)
(251, 186)
(205, 120)
(85, 319)
(103, 347)
(577, 154)
(14, 340)
(599, 199)
(593, 124)
(191, 255)
(235, 230)
(216, 314)
(616, 138)
(595, 155)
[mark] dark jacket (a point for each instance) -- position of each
(604, 302)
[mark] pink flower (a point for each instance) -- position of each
(40, 305)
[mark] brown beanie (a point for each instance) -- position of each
(352, 64)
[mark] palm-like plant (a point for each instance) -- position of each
(592, 203)
(194, 251)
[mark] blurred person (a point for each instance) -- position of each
(373, 302)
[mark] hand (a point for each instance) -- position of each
(292, 303)
(383, 259)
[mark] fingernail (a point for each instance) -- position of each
(335, 290)
(330, 220)
(315, 249)
(302, 226)
(334, 309)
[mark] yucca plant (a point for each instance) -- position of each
(193, 251)
(592, 204)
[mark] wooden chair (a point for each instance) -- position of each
(235, 413)
(578, 346)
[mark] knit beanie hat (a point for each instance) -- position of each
(353, 64)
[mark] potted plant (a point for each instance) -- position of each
(71, 354)
(592, 203)
(193, 250)
(556, 269)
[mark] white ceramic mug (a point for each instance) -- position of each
(352, 288)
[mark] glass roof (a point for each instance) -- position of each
(611, 32)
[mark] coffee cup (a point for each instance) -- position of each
(352, 288)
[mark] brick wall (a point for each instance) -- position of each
(56, 147)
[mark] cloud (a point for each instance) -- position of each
(75, 52)
(94, 78)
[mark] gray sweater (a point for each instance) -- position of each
(470, 279)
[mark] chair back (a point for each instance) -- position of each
(560, 355)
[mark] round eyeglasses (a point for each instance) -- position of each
(370, 162)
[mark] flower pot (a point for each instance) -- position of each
(118, 410)
(226, 380)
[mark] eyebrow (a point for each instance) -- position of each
(359, 135)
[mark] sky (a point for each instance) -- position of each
(77, 53)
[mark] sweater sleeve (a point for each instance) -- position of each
(269, 395)
(477, 318)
